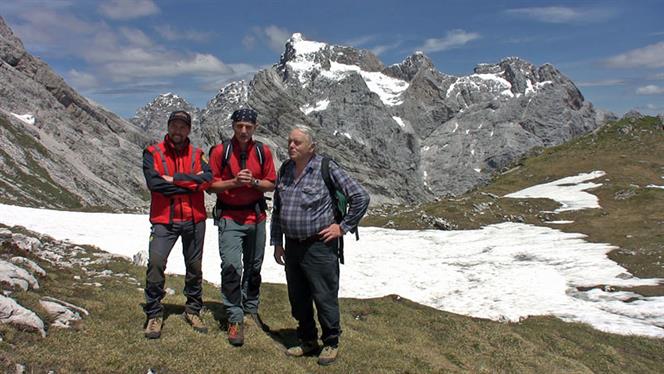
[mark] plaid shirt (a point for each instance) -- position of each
(306, 205)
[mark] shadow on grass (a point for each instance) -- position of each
(218, 313)
(284, 337)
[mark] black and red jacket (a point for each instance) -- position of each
(183, 199)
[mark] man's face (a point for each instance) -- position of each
(178, 131)
(299, 146)
(243, 131)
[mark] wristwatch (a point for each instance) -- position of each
(255, 182)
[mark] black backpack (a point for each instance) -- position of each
(339, 200)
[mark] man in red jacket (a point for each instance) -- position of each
(176, 173)
(242, 171)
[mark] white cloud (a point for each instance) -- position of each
(136, 37)
(654, 107)
(143, 64)
(115, 56)
(41, 29)
(365, 41)
(380, 49)
(359, 41)
(238, 72)
(276, 37)
(249, 41)
(601, 82)
(81, 80)
(128, 9)
(650, 89)
(453, 39)
(170, 33)
(651, 56)
(560, 14)
(273, 36)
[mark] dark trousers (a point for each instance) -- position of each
(312, 275)
(162, 240)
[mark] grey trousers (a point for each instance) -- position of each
(312, 275)
(162, 240)
(241, 248)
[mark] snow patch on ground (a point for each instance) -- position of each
(569, 192)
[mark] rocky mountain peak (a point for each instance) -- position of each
(410, 66)
(215, 118)
(232, 94)
(303, 59)
(153, 116)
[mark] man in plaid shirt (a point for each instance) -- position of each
(305, 216)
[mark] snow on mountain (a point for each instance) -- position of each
(27, 118)
(320, 105)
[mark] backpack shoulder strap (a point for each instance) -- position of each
(259, 152)
(277, 199)
(228, 151)
(325, 172)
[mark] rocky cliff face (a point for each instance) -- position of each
(407, 131)
(57, 148)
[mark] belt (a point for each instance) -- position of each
(306, 241)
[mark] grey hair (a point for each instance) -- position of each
(307, 131)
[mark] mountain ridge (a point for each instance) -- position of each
(400, 128)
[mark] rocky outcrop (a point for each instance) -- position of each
(62, 313)
(29, 254)
(15, 276)
(13, 313)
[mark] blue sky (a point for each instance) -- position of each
(123, 53)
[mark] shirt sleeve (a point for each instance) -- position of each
(195, 182)
(154, 180)
(276, 233)
(358, 198)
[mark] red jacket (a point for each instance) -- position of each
(244, 195)
(183, 199)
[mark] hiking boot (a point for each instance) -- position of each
(196, 322)
(304, 349)
(255, 319)
(153, 327)
(328, 355)
(236, 333)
